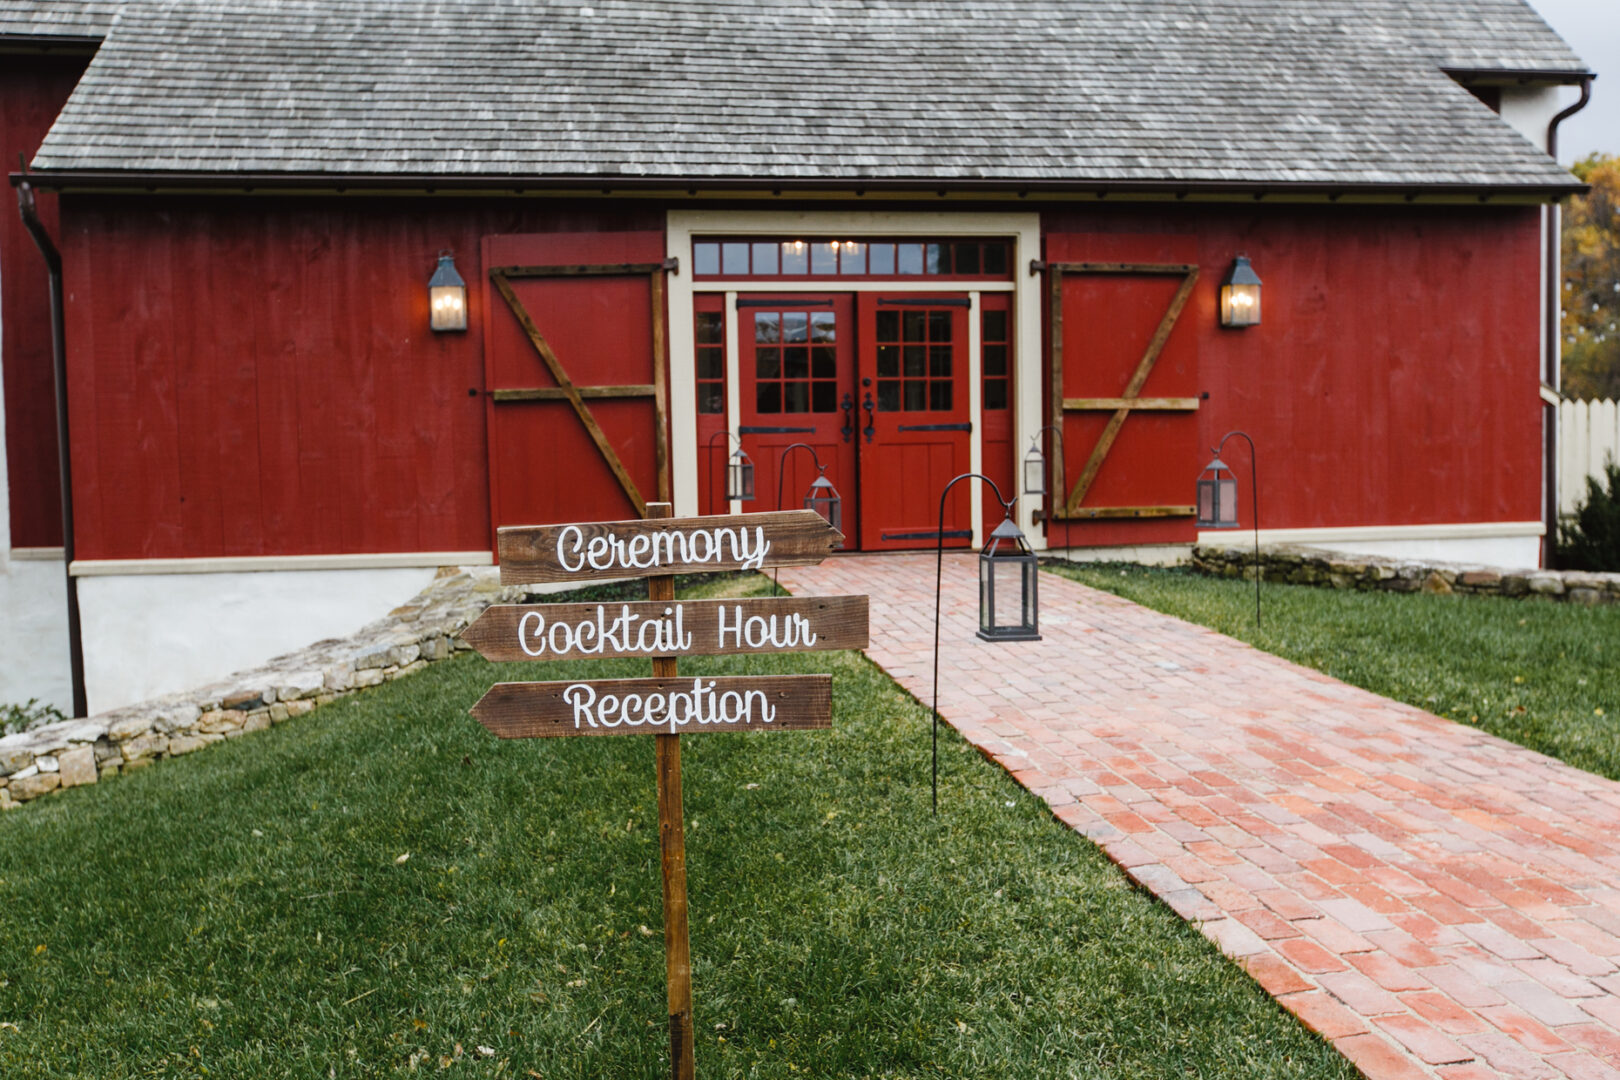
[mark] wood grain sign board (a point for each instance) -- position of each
(778, 624)
(534, 554)
(657, 706)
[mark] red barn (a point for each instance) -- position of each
(919, 238)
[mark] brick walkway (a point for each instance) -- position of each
(1436, 902)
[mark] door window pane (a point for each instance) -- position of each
(711, 398)
(914, 395)
(795, 327)
(795, 397)
(768, 397)
(939, 361)
(888, 397)
(939, 326)
(768, 363)
(823, 397)
(995, 326)
(710, 328)
(939, 395)
(888, 326)
(916, 325)
(916, 356)
(796, 363)
(823, 326)
(767, 327)
(824, 362)
(888, 361)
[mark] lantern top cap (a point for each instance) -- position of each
(740, 454)
(1241, 273)
(1217, 465)
(821, 482)
(1007, 530)
(445, 274)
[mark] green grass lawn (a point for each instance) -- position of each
(249, 911)
(1542, 674)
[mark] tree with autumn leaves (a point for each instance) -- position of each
(1591, 294)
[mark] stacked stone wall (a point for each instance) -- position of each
(71, 753)
(1300, 565)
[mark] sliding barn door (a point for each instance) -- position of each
(1123, 387)
(575, 367)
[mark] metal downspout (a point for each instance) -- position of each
(64, 460)
(1554, 332)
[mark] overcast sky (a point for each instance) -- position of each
(1592, 27)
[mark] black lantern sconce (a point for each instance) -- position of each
(1240, 295)
(1035, 476)
(822, 497)
(1009, 600)
(1217, 502)
(739, 469)
(447, 296)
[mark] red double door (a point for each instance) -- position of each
(877, 385)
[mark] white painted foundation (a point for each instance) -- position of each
(1508, 544)
(33, 633)
(151, 634)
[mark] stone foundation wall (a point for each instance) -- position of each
(74, 752)
(1299, 565)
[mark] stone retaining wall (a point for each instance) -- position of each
(1301, 565)
(74, 752)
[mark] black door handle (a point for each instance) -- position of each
(871, 409)
(848, 405)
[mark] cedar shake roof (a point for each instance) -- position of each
(994, 91)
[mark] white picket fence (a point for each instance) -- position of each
(1588, 434)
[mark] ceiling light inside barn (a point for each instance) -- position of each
(447, 296)
(1240, 295)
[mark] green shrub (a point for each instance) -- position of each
(15, 718)
(1590, 538)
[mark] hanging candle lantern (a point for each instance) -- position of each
(1008, 587)
(1035, 469)
(447, 296)
(824, 499)
(740, 477)
(1217, 497)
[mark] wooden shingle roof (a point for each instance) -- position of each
(1193, 92)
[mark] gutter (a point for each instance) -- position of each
(153, 181)
(1552, 377)
(64, 456)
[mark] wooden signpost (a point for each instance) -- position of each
(664, 628)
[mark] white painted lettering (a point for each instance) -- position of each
(539, 627)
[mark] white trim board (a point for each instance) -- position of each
(43, 554)
(402, 560)
(1371, 533)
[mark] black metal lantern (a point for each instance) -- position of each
(447, 296)
(824, 499)
(740, 476)
(1217, 497)
(1009, 576)
(1240, 295)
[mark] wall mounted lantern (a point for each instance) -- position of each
(1217, 502)
(1035, 468)
(1240, 295)
(447, 296)
(1009, 574)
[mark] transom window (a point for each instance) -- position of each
(795, 361)
(867, 259)
(914, 353)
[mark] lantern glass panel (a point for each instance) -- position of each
(1206, 503)
(447, 297)
(1226, 502)
(740, 479)
(1240, 305)
(1008, 599)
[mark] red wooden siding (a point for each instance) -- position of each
(1394, 380)
(32, 91)
(257, 377)
(544, 466)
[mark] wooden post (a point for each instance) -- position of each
(672, 849)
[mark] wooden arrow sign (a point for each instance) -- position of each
(591, 551)
(680, 628)
(669, 706)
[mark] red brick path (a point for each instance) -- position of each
(1435, 901)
